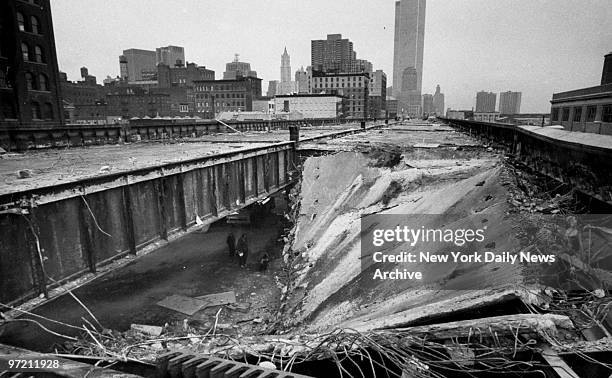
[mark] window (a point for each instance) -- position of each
(42, 83)
(38, 54)
(35, 25)
(555, 114)
(25, 52)
(21, 21)
(48, 111)
(35, 110)
(591, 111)
(577, 113)
(30, 83)
(565, 116)
(606, 113)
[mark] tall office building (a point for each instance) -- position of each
(30, 91)
(428, 104)
(510, 102)
(139, 64)
(285, 67)
(237, 69)
(438, 101)
(286, 85)
(302, 79)
(170, 56)
(408, 51)
(332, 55)
(409, 100)
(485, 102)
(272, 88)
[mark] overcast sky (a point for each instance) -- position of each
(534, 46)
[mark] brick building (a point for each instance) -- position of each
(354, 87)
(215, 96)
(377, 107)
(311, 106)
(29, 75)
(182, 76)
(587, 109)
(79, 96)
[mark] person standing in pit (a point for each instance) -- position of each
(242, 248)
(231, 244)
(263, 262)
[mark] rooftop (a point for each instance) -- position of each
(584, 93)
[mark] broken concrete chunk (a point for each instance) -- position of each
(147, 329)
(24, 173)
(217, 299)
(267, 365)
(241, 307)
(183, 304)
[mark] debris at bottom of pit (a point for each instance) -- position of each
(240, 306)
(460, 346)
(183, 304)
(217, 298)
(147, 329)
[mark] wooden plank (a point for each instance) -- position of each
(561, 368)
(218, 298)
(502, 325)
(183, 304)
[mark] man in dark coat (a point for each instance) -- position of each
(231, 244)
(242, 248)
(263, 262)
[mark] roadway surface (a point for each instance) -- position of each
(59, 166)
(193, 265)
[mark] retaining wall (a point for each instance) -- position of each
(54, 234)
(572, 159)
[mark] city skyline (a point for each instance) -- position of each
(532, 68)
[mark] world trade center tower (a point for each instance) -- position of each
(408, 55)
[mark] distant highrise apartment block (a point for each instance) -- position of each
(510, 102)
(485, 102)
(237, 69)
(170, 56)
(334, 54)
(408, 54)
(137, 64)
